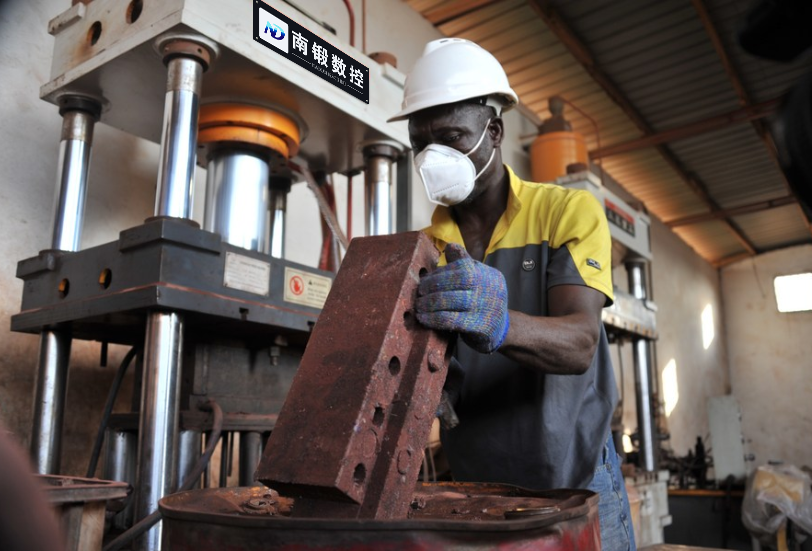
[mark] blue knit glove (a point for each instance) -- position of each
(466, 297)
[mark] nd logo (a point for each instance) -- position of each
(276, 31)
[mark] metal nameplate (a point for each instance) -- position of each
(247, 274)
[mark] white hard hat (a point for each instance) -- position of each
(452, 70)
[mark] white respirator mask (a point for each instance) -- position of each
(449, 175)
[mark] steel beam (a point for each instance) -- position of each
(738, 116)
(735, 211)
(349, 440)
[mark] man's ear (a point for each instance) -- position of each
(496, 130)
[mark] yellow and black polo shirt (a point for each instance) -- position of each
(518, 426)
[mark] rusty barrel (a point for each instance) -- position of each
(444, 515)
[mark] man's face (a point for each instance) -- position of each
(459, 126)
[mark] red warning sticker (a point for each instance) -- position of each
(306, 288)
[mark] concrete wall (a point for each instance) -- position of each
(121, 195)
(770, 357)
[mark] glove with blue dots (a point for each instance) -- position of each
(467, 297)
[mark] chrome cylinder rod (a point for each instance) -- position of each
(179, 138)
(49, 403)
(186, 59)
(250, 455)
(280, 187)
(158, 425)
(378, 160)
(237, 198)
(79, 115)
(119, 465)
(71, 190)
(189, 452)
(642, 373)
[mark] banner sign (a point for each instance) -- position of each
(286, 37)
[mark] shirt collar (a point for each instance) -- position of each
(444, 228)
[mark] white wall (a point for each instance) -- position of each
(770, 357)
(684, 285)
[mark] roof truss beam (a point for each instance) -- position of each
(738, 116)
(735, 211)
(582, 54)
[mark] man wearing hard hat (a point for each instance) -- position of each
(526, 270)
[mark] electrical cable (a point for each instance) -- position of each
(108, 410)
(324, 207)
(149, 521)
(349, 206)
(622, 378)
(352, 22)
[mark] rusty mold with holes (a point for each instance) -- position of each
(349, 439)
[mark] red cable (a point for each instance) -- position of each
(352, 22)
(349, 207)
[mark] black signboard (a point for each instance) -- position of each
(286, 37)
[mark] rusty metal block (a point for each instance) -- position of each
(349, 439)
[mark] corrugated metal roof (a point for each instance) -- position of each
(771, 229)
(660, 57)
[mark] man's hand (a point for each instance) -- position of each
(466, 297)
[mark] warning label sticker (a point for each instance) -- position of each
(306, 288)
(247, 274)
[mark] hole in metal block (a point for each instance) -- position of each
(409, 320)
(94, 33)
(105, 278)
(422, 272)
(63, 288)
(378, 416)
(134, 11)
(359, 474)
(394, 365)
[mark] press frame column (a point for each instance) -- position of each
(641, 349)
(378, 161)
(186, 58)
(79, 115)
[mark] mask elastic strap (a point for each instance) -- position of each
(482, 137)
(493, 152)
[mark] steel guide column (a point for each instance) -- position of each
(642, 373)
(378, 186)
(280, 187)
(186, 59)
(79, 117)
